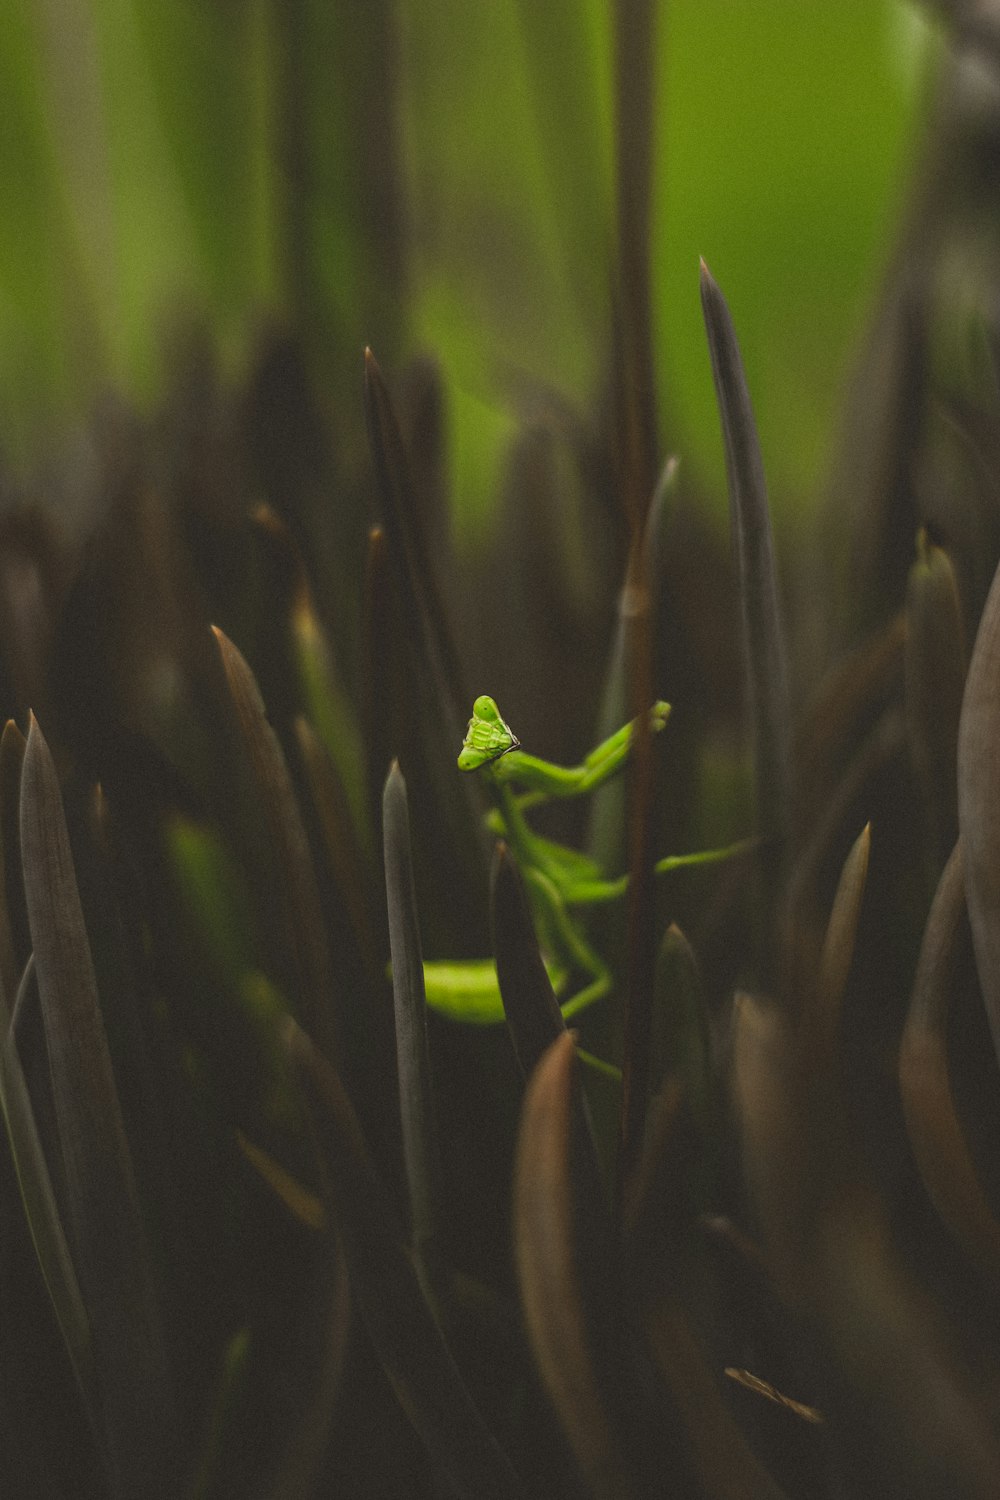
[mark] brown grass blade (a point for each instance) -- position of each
(15, 940)
(979, 803)
(932, 1122)
(294, 886)
(936, 661)
(40, 1206)
(105, 1228)
(400, 1324)
(552, 1251)
(838, 953)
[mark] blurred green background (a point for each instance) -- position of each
(437, 175)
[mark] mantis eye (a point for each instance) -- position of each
(487, 737)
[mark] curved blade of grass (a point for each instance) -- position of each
(838, 953)
(932, 1122)
(294, 887)
(763, 636)
(606, 837)
(979, 803)
(40, 1205)
(935, 677)
(534, 1019)
(775, 1147)
(104, 1225)
(326, 703)
(552, 1251)
(402, 1328)
(413, 1064)
(14, 933)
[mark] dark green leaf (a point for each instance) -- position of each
(763, 636)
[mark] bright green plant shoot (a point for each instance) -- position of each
(557, 878)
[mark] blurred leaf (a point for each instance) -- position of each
(560, 1252)
(399, 1322)
(41, 1208)
(935, 677)
(838, 954)
(105, 1229)
(340, 840)
(305, 1206)
(289, 849)
(979, 803)
(14, 918)
(929, 1105)
(724, 1461)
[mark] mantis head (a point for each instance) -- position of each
(487, 737)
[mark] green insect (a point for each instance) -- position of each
(558, 879)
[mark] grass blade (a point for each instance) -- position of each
(295, 888)
(423, 604)
(40, 1205)
(935, 677)
(559, 1267)
(105, 1228)
(534, 1019)
(936, 1136)
(416, 1101)
(838, 953)
(979, 803)
(400, 1324)
(14, 935)
(763, 636)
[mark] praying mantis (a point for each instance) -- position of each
(558, 879)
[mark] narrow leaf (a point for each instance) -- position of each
(606, 837)
(408, 548)
(295, 888)
(554, 1254)
(40, 1205)
(932, 1122)
(402, 1328)
(534, 1019)
(105, 1227)
(838, 951)
(935, 677)
(416, 1101)
(15, 941)
(979, 802)
(763, 636)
